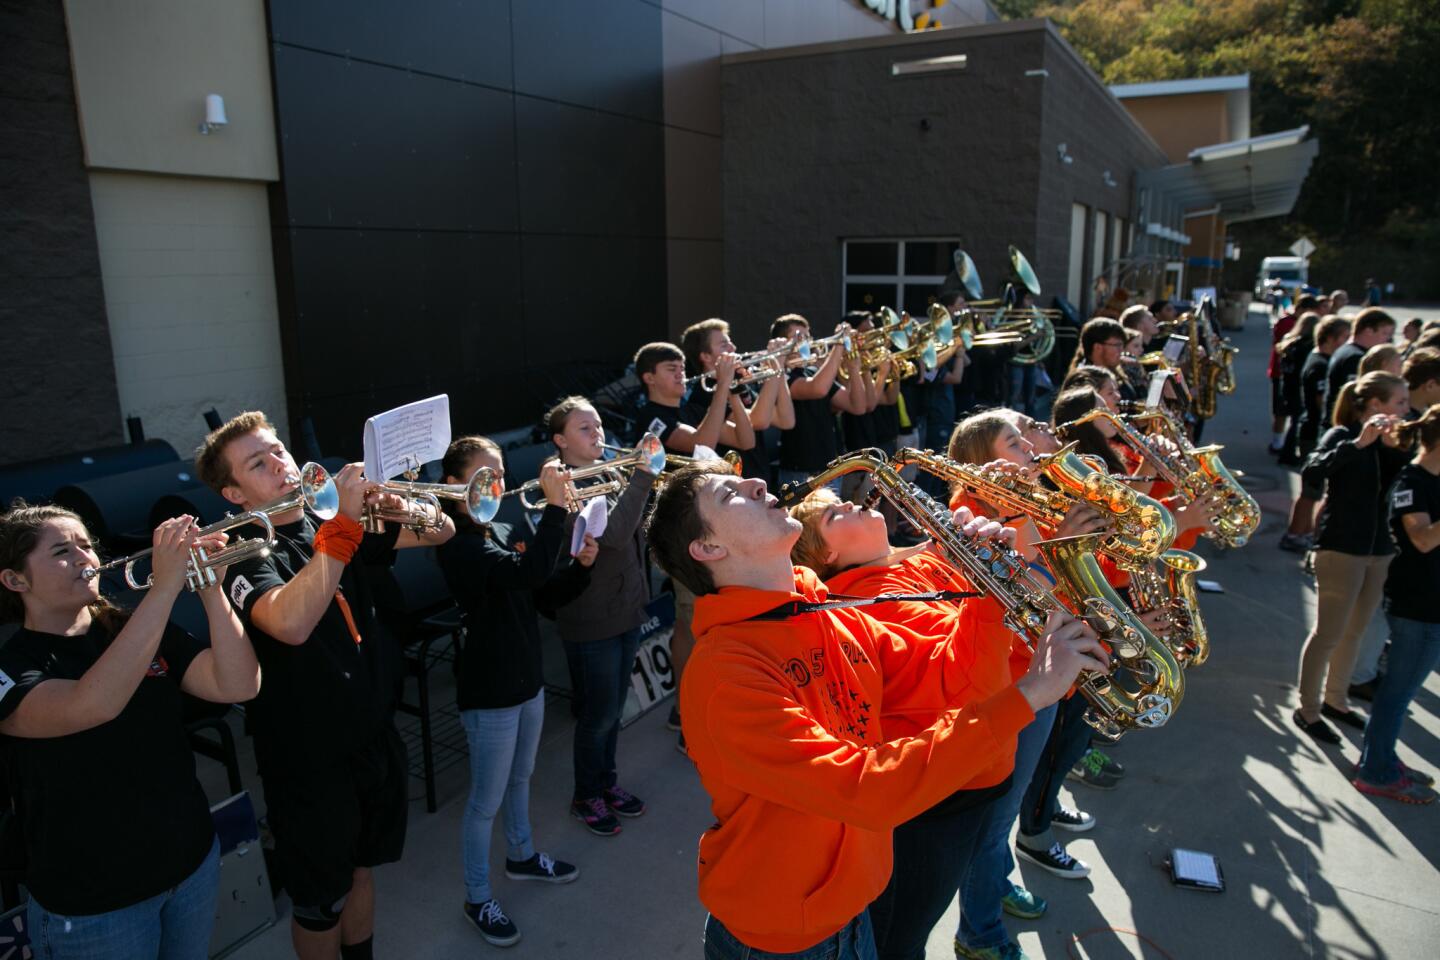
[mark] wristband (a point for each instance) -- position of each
(339, 538)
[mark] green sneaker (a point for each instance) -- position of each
(1090, 770)
(1009, 951)
(1023, 904)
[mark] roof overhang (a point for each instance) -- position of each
(1247, 179)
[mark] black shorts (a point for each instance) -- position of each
(334, 817)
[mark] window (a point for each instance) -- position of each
(1076, 286)
(903, 274)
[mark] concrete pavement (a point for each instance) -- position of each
(1314, 868)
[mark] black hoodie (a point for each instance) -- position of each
(1356, 515)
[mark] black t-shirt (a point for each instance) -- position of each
(753, 462)
(858, 430)
(1413, 582)
(658, 419)
(886, 423)
(112, 815)
(1312, 387)
(324, 698)
(1344, 366)
(492, 572)
(814, 441)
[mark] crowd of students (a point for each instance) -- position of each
(865, 764)
(1356, 413)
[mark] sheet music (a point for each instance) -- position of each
(407, 437)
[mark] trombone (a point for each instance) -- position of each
(613, 474)
(315, 491)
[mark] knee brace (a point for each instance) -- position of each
(318, 919)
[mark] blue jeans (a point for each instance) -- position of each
(854, 942)
(174, 925)
(602, 670)
(932, 855)
(800, 476)
(1414, 652)
(502, 744)
(1067, 744)
(987, 881)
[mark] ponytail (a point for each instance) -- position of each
(1376, 385)
(1426, 430)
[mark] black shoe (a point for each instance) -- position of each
(1350, 718)
(596, 816)
(1055, 860)
(541, 867)
(673, 721)
(1364, 691)
(680, 745)
(492, 923)
(623, 802)
(1319, 730)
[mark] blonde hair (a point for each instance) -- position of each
(1376, 385)
(810, 550)
(1379, 357)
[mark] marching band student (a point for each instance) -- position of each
(860, 431)
(493, 571)
(601, 626)
(818, 396)
(333, 765)
(848, 547)
(1294, 350)
(682, 425)
(1306, 304)
(1422, 376)
(1371, 326)
(89, 701)
(781, 706)
(1102, 343)
(703, 344)
(1357, 460)
(1410, 586)
(1330, 333)
(1382, 356)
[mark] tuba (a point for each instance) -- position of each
(1144, 528)
(1145, 684)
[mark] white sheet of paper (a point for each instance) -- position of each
(1209, 586)
(703, 452)
(1195, 866)
(591, 519)
(1157, 388)
(407, 437)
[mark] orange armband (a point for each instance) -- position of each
(339, 538)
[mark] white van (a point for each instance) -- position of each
(1292, 272)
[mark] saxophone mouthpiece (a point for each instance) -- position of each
(792, 493)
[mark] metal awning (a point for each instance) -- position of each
(1247, 179)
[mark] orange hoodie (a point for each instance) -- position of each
(972, 631)
(782, 720)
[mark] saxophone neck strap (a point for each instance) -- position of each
(837, 601)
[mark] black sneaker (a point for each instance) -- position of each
(596, 816)
(541, 867)
(680, 745)
(492, 923)
(1364, 691)
(623, 802)
(673, 721)
(1055, 860)
(1076, 821)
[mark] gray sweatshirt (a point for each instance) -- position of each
(619, 583)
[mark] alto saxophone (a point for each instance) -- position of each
(1145, 684)
(1169, 585)
(1143, 527)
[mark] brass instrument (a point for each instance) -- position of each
(1153, 682)
(1212, 373)
(761, 365)
(611, 475)
(1169, 585)
(674, 461)
(1144, 528)
(1033, 328)
(421, 508)
(314, 490)
(880, 343)
(1206, 474)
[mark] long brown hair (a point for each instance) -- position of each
(20, 528)
(1375, 385)
(1072, 405)
(1304, 329)
(456, 459)
(1426, 429)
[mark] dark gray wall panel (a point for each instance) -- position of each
(588, 172)
(465, 39)
(601, 55)
(369, 146)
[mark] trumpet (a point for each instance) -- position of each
(611, 475)
(421, 509)
(315, 491)
(760, 366)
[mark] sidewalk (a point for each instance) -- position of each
(1314, 868)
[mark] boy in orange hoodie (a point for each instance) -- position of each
(780, 704)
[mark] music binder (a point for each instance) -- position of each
(1200, 871)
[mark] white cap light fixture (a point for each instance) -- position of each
(214, 113)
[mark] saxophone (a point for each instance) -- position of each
(1169, 585)
(1214, 373)
(1239, 515)
(1145, 683)
(1144, 528)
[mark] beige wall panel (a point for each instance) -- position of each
(190, 291)
(142, 71)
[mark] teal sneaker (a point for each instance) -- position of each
(1009, 951)
(1023, 904)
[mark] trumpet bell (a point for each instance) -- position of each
(653, 450)
(482, 495)
(318, 490)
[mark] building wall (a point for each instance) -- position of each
(1182, 122)
(58, 389)
(823, 144)
(190, 293)
(1099, 136)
